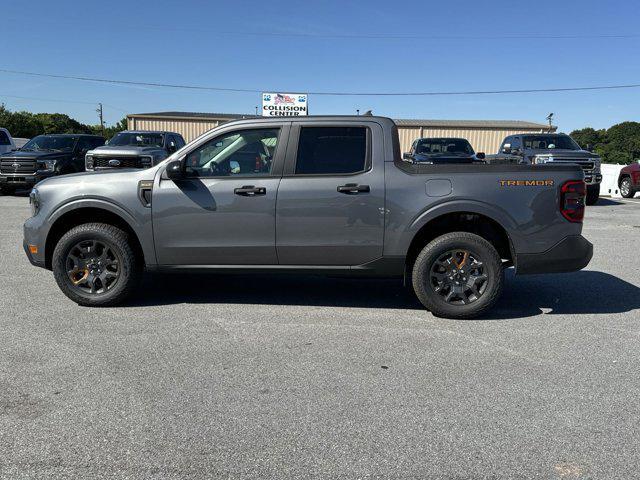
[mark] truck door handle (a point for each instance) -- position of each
(353, 189)
(250, 191)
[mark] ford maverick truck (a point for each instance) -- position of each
(551, 149)
(325, 195)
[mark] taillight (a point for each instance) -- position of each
(572, 195)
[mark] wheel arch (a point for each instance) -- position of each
(622, 176)
(89, 213)
(468, 221)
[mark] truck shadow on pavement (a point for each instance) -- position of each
(525, 296)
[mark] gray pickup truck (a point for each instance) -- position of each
(134, 149)
(548, 149)
(326, 195)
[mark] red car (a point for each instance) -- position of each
(629, 180)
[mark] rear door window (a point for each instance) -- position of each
(331, 150)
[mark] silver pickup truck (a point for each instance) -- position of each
(134, 149)
(327, 195)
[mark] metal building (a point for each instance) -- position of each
(484, 135)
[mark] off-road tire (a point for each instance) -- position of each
(4, 190)
(593, 194)
(130, 269)
(469, 242)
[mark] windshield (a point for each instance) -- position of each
(435, 146)
(50, 144)
(549, 142)
(124, 139)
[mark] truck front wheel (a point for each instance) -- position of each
(95, 266)
(593, 194)
(458, 275)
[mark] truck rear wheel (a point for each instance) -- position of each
(593, 194)
(95, 266)
(458, 275)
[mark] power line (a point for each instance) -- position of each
(2, 95)
(325, 93)
(375, 35)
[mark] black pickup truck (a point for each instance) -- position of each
(436, 151)
(45, 156)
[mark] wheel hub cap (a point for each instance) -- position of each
(458, 277)
(92, 266)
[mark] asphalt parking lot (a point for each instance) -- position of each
(254, 376)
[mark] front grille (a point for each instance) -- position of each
(18, 165)
(125, 162)
(587, 165)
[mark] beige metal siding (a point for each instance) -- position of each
(188, 128)
(486, 140)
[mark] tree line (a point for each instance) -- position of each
(28, 125)
(617, 144)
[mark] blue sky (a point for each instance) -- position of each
(204, 43)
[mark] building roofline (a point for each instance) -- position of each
(429, 123)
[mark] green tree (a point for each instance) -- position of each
(112, 130)
(589, 137)
(618, 144)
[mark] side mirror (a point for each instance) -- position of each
(175, 170)
(506, 149)
(407, 156)
(480, 155)
(171, 148)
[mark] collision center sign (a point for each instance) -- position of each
(284, 104)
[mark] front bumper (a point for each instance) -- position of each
(34, 233)
(568, 255)
(592, 178)
(23, 180)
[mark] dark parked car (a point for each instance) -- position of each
(45, 156)
(134, 149)
(433, 151)
(629, 180)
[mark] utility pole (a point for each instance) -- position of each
(99, 110)
(550, 118)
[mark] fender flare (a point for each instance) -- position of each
(135, 225)
(498, 215)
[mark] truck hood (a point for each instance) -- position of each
(40, 155)
(444, 159)
(85, 180)
(116, 150)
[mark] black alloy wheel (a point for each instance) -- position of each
(93, 266)
(458, 277)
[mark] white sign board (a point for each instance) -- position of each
(284, 104)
